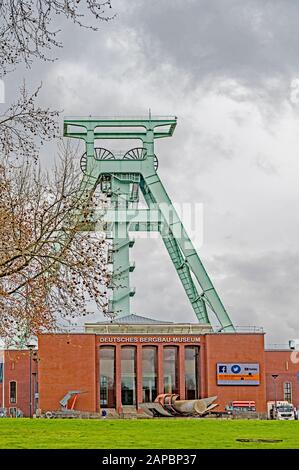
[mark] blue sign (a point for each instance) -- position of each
(236, 369)
(238, 374)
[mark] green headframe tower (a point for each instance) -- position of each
(122, 176)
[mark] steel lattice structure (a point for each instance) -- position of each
(121, 177)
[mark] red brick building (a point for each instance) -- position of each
(116, 371)
(122, 365)
(18, 373)
(285, 364)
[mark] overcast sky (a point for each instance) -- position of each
(229, 70)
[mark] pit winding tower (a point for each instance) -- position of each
(121, 177)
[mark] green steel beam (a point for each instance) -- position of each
(179, 262)
(120, 283)
(92, 124)
(122, 178)
(153, 186)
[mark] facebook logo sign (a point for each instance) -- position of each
(222, 369)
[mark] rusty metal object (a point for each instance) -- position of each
(167, 404)
(155, 409)
(195, 406)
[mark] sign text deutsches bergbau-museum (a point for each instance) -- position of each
(149, 339)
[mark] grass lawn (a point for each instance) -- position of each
(145, 434)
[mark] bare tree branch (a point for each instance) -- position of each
(48, 265)
(25, 27)
(24, 126)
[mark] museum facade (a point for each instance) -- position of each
(119, 366)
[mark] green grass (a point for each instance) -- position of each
(145, 434)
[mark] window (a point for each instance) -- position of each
(13, 392)
(128, 375)
(1, 372)
(171, 382)
(149, 374)
(191, 372)
(107, 377)
(287, 391)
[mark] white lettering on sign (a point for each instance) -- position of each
(149, 339)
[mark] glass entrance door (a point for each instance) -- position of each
(107, 377)
(149, 374)
(128, 376)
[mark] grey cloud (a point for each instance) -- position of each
(262, 289)
(249, 40)
(224, 66)
(258, 290)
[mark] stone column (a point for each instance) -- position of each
(118, 378)
(139, 375)
(160, 370)
(202, 364)
(181, 371)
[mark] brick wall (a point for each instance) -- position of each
(286, 365)
(17, 368)
(67, 362)
(70, 362)
(230, 348)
